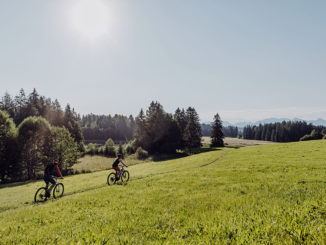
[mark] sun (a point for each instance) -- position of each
(91, 19)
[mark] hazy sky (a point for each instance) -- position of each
(247, 60)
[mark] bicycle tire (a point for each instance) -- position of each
(58, 190)
(40, 195)
(111, 179)
(125, 176)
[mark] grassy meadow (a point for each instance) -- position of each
(272, 193)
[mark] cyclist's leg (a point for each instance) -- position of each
(53, 182)
(117, 172)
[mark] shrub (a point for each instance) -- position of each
(141, 153)
(122, 150)
(131, 147)
(91, 149)
(315, 135)
(306, 137)
(109, 149)
(101, 150)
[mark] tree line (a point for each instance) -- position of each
(99, 128)
(33, 131)
(289, 131)
(22, 106)
(157, 131)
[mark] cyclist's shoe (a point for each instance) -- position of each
(117, 178)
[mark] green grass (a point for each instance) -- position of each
(259, 194)
(98, 163)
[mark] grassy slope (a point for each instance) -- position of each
(270, 193)
(98, 163)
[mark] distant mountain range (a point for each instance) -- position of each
(318, 122)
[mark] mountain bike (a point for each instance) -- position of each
(123, 176)
(58, 190)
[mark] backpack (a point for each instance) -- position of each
(49, 169)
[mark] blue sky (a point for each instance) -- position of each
(247, 60)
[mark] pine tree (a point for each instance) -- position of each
(71, 123)
(216, 133)
(181, 121)
(192, 133)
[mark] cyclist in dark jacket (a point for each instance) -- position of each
(51, 169)
(115, 165)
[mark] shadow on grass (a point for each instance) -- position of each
(311, 181)
(164, 157)
(14, 184)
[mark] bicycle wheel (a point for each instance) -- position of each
(111, 179)
(125, 176)
(58, 190)
(40, 195)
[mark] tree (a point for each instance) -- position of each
(192, 134)
(181, 121)
(71, 123)
(157, 132)
(122, 151)
(62, 147)
(216, 133)
(7, 104)
(109, 149)
(33, 136)
(8, 157)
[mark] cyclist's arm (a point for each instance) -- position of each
(58, 171)
(123, 163)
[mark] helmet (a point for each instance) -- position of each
(56, 162)
(119, 155)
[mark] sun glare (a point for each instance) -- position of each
(90, 19)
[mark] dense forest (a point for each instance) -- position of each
(157, 131)
(22, 106)
(289, 131)
(33, 131)
(98, 128)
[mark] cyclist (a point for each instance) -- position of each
(50, 169)
(115, 166)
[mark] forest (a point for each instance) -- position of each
(289, 131)
(35, 130)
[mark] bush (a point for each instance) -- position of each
(315, 135)
(109, 149)
(131, 147)
(101, 150)
(91, 149)
(141, 153)
(122, 150)
(306, 137)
